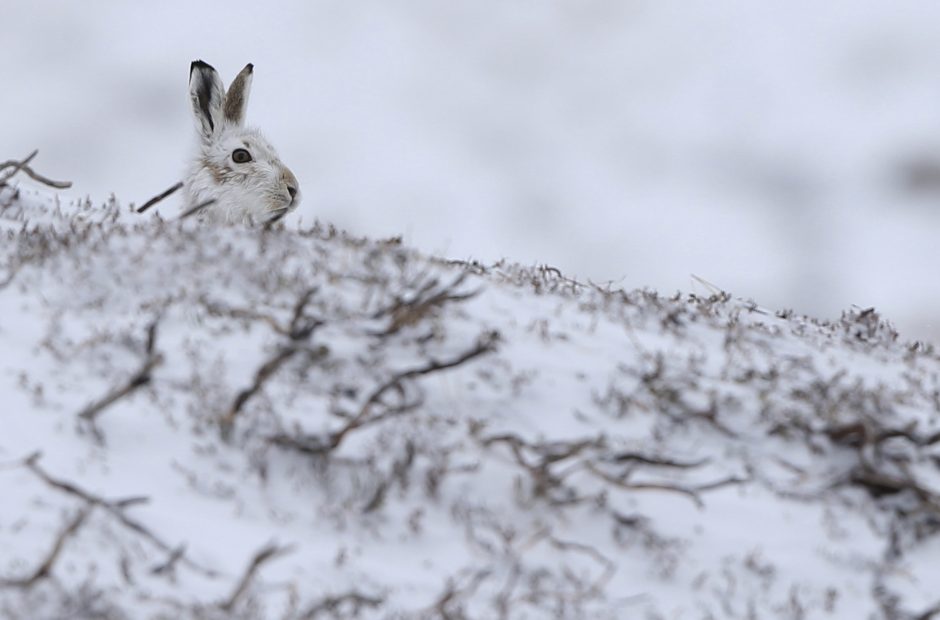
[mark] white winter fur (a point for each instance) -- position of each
(255, 191)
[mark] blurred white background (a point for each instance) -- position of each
(787, 150)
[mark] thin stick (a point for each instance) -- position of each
(268, 552)
(261, 376)
(692, 492)
(114, 508)
(274, 220)
(331, 604)
(21, 166)
(636, 457)
(170, 564)
(159, 197)
(197, 208)
(138, 380)
(318, 445)
(17, 166)
(301, 328)
(485, 344)
(45, 568)
(46, 180)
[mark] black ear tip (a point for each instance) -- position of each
(250, 67)
(198, 64)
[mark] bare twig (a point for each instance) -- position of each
(313, 445)
(169, 565)
(408, 312)
(43, 570)
(159, 197)
(46, 180)
(879, 483)
(485, 344)
(202, 205)
(398, 471)
(139, 379)
(24, 167)
(643, 459)
(300, 329)
(355, 601)
(278, 216)
(302, 326)
(865, 432)
(453, 594)
(550, 452)
(242, 314)
(547, 483)
(692, 492)
(318, 445)
(610, 568)
(114, 508)
(17, 166)
(265, 554)
(929, 613)
(264, 372)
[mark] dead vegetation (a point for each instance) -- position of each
(139, 379)
(11, 168)
(562, 442)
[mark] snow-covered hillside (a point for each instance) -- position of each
(245, 423)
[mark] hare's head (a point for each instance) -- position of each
(236, 167)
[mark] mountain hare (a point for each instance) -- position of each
(236, 167)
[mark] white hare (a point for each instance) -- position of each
(236, 167)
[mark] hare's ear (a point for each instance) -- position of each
(207, 95)
(236, 99)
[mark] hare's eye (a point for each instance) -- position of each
(241, 156)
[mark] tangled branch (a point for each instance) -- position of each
(320, 445)
(409, 311)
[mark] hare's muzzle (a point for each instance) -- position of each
(291, 186)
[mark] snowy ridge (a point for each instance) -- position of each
(232, 423)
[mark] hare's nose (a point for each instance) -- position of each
(290, 182)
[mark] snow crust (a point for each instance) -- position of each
(221, 422)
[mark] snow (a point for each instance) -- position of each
(392, 434)
(770, 148)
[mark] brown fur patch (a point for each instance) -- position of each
(218, 174)
(237, 97)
